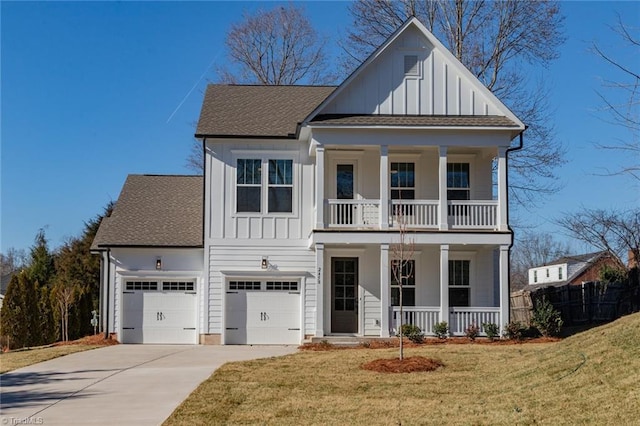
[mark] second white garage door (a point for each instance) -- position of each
(162, 312)
(263, 312)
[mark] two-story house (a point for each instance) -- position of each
(304, 191)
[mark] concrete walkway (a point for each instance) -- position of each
(115, 385)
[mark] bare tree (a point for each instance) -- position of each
(275, 47)
(496, 41)
(617, 232)
(531, 250)
(627, 86)
(402, 264)
(64, 296)
(13, 261)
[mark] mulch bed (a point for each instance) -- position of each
(96, 339)
(414, 364)
(394, 343)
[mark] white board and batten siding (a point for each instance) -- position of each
(436, 86)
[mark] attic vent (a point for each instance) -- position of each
(411, 65)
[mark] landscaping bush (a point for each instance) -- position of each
(491, 330)
(441, 330)
(413, 333)
(514, 330)
(472, 332)
(546, 319)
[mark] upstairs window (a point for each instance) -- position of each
(535, 276)
(249, 185)
(280, 186)
(411, 65)
(403, 181)
(458, 182)
(254, 188)
(560, 273)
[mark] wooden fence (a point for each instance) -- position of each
(587, 303)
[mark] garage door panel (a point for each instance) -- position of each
(161, 317)
(262, 317)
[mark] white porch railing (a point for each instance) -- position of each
(461, 318)
(363, 213)
(414, 213)
(424, 317)
(473, 214)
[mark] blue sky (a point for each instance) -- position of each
(93, 91)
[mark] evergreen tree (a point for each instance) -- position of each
(18, 319)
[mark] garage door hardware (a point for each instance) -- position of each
(232, 328)
(129, 292)
(189, 328)
(232, 292)
(294, 329)
(264, 316)
(160, 316)
(128, 328)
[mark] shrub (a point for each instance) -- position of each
(413, 333)
(514, 330)
(546, 319)
(441, 330)
(472, 331)
(491, 330)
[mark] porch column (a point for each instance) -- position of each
(385, 304)
(384, 187)
(320, 187)
(443, 218)
(502, 189)
(319, 290)
(504, 287)
(444, 283)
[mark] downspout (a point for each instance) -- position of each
(506, 159)
(106, 313)
(101, 297)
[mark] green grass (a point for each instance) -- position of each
(590, 378)
(17, 359)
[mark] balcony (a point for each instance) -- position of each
(416, 214)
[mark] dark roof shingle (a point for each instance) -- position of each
(157, 211)
(259, 111)
(412, 120)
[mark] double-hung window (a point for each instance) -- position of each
(458, 182)
(403, 186)
(459, 283)
(248, 185)
(277, 184)
(280, 186)
(408, 276)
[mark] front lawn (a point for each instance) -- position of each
(17, 359)
(588, 378)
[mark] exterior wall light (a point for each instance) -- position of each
(159, 263)
(265, 263)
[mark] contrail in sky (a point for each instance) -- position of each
(192, 88)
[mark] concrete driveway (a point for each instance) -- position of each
(122, 384)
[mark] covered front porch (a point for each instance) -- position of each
(461, 284)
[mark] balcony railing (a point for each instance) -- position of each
(414, 213)
(473, 214)
(461, 318)
(462, 214)
(354, 213)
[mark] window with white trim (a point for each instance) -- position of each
(403, 186)
(411, 66)
(178, 286)
(280, 186)
(282, 285)
(459, 283)
(408, 274)
(248, 185)
(252, 185)
(458, 181)
(244, 285)
(560, 273)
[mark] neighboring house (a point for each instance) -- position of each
(571, 269)
(303, 190)
(4, 284)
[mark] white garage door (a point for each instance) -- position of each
(161, 312)
(263, 312)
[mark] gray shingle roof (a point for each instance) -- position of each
(157, 211)
(413, 120)
(259, 111)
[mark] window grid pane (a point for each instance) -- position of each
(280, 192)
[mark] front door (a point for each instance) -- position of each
(344, 294)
